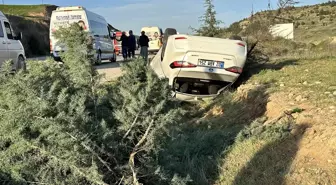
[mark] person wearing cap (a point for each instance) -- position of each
(131, 44)
(143, 41)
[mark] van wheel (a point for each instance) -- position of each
(99, 58)
(21, 64)
(114, 58)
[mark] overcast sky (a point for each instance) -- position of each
(179, 14)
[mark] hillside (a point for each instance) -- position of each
(313, 24)
(33, 21)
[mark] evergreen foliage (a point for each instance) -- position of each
(145, 111)
(210, 25)
(60, 125)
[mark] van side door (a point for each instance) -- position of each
(4, 54)
(14, 46)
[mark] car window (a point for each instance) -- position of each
(99, 29)
(1, 30)
(8, 30)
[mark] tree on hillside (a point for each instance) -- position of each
(210, 25)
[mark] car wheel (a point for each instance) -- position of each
(163, 50)
(213, 89)
(168, 32)
(21, 64)
(99, 58)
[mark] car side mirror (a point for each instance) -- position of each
(18, 36)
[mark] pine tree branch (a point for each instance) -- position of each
(136, 150)
(122, 178)
(30, 182)
(144, 137)
(92, 151)
(134, 122)
(73, 167)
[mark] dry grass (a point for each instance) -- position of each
(22, 10)
(313, 24)
(307, 86)
(313, 79)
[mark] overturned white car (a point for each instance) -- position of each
(199, 67)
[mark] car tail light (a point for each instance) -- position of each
(238, 70)
(182, 64)
(241, 44)
(180, 38)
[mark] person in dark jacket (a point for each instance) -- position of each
(124, 44)
(131, 44)
(143, 41)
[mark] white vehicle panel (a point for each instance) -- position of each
(4, 54)
(95, 24)
(195, 60)
(10, 47)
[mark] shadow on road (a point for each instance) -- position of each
(107, 65)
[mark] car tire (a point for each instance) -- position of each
(213, 89)
(114, 58)
(236, 37)
(21, 64)
(168, 32)
(163, 50)
(99, 58)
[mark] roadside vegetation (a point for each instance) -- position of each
(33, 21)
(61, 125)
(23, 10)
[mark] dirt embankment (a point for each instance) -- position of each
(35, 30)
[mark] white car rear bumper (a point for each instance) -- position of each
(203, 74)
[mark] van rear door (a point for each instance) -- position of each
(63, 18)
(4, 54)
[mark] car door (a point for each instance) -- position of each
(4, 54)
(14, 46)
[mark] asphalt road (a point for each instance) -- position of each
(109, 70)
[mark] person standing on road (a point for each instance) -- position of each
(131, 44)
(124, 44)
(143, 41)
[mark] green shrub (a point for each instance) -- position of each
(59, 125)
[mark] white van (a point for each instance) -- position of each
(154, 34)
(10, 46)
(95, 24)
